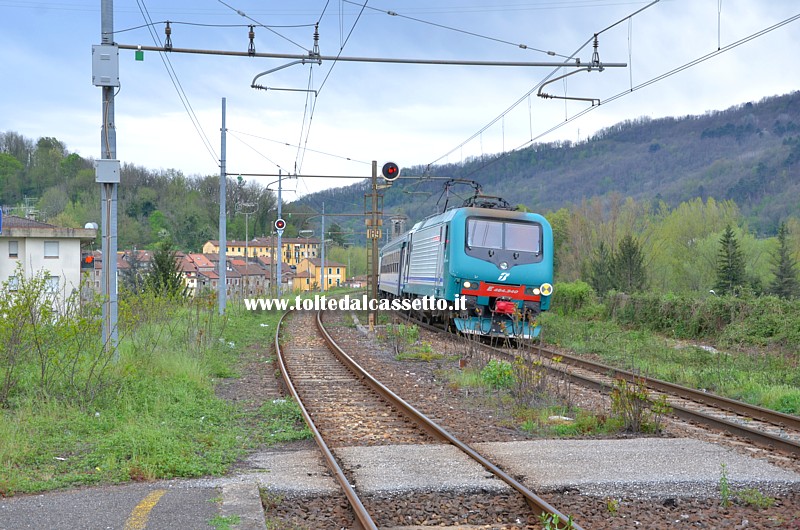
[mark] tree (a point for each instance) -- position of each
(600, 270)
(10, 182)
(628, 266)
(165, 277)
(337, 234)
(785, 283)
(134, 278)
(730, 264)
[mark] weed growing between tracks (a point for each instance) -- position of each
(157, 415)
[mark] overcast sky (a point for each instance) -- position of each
(410, 114)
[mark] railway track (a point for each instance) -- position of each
(761, 426)
(345, 406)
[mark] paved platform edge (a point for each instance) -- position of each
(242, 499)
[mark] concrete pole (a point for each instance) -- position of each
(280, 236)
(324, 287)
(108, 150)
(223, 236)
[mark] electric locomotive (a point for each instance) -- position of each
(498, 260)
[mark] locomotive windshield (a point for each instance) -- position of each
(503, 235)
(504, 243)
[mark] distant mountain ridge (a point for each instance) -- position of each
(749, 153)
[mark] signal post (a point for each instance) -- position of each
(374, 222)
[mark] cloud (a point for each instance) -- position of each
(411, 114)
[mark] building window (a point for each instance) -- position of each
(13, 249)
(51, 249)
(337, 270)
(53, 284)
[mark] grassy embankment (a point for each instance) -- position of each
(745, 348)
(72, 415)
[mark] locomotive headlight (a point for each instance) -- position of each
(503, 265)
(467, 285)
(546, 289)
(536, 291)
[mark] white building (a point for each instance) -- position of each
(42, 247)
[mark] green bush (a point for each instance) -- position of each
(498, 374)
(728, 320)
(571, 297)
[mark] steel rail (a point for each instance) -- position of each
(753, 411)
(533, 500)
(363, 519)
(762, 438)
(729, 405)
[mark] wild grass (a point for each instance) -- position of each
(765, 379)
(157, 416)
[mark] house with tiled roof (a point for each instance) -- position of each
(293, 249)
(254, 278)
(30, 247)
(335, 274)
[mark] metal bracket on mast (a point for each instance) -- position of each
(596, 65)
(313, 57)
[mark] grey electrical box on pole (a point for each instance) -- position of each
(105, 65)
(106, 171)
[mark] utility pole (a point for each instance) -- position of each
(223, 236)
(105, 73)
(245, 209)
(322, 277)
(280, 243)
(374, 233)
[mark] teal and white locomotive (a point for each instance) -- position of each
(500, 261)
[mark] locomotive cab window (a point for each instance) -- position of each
(522, 237)
(511, 241)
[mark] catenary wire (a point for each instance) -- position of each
(287, 144)
(457, 30)
(205, 25)
(539, 84)
(647, 83)
(268, 28)
(259, 153)
(177, 84)
(319, 89)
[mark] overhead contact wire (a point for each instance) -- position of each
(177, 84)
(649, 82)
(259, 24)
(540, 83)
(457, 30)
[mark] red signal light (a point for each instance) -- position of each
(87, 261)
(280, 224)
(390, 171)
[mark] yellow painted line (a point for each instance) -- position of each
(138, 518)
